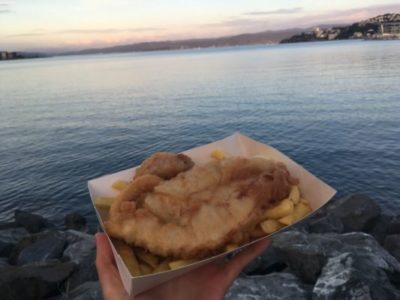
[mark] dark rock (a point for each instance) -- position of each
(34, 281)
(27, 241)
(4, 262)
(82, 251)
(356, 212)
(342, 278)
(394, 225)
(8, 225)
(88, 291)
(378, 229)
(265, 263)
(306, 254)
(13, 235)
(326, 223)
(31, 222)
(42, 250)
(392, 245)
(75, 221)
(283, 286)
(5, 249)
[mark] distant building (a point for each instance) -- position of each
(389, 28)
(3, 55)
(357, 35)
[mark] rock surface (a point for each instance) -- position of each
(31, 222)
(392, 245)
(75, 221)
(283, 286)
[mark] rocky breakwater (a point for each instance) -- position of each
(347, 250)
(40, 261)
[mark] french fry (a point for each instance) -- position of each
(295, 194)
(145, 269)
(300, 210)
(180, 263)
(128, 256)
(231, 247)
(257, 232)
(218, 154)
(282, 209)
(270, 226)
(103, 202)
(119, 185)
(147, 257)
(162, 267)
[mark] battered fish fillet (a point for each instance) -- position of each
(199, 211)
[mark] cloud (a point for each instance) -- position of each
(282, 11)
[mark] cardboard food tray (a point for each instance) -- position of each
(313, 189)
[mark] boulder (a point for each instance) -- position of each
(394, 225)
(342, 278)
(265, 263)
(392, 245)
(378, 228)
(82, 251)
(88, 291)
(36, 248)
(75, 221)
(7, 225)
(325, 223)
(33, 281)
(31, 222)
(5, 249)
(42, 250)
(356, 212)
(307, 254)
(13, 235)
(283, 286)
(4, 262)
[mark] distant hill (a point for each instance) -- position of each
(264, 37)
(364, 29)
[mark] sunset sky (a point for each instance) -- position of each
(51, 25)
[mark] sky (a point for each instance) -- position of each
(58, 25)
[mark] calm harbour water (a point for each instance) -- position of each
(334, 107)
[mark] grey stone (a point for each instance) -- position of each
(326, 223)
(31, 222)
(32, 239)
(42, 250)
(267, 262)
(75, 221)
(341, 278)
(392, 245)
(33, 281)
(356, 212)
(13, 235)
(306, 254)
(81, 251)
(88, 291)
(282, 286)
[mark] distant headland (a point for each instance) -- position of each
(381, 27)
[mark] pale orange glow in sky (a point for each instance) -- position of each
(76, 24)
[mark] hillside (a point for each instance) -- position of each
(265, 37)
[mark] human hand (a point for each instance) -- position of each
(207, 282)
